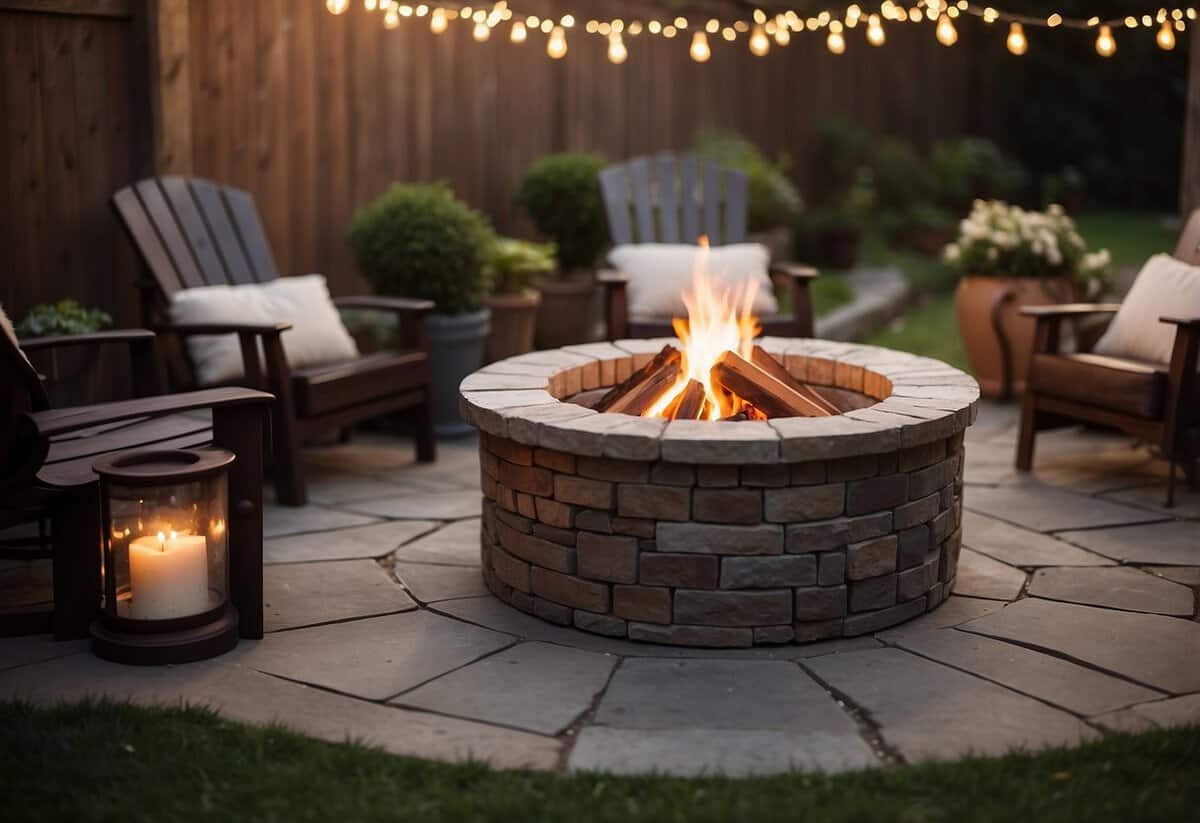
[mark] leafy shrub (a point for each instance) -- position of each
(1066, 187)
(561, 193)
(773, 198)
(973, 168)
(417, 240)
(901, 176)
(514, 263)
(842, 148)
(62, 318)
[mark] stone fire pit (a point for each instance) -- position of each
(722, 533)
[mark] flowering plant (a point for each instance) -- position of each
(1001, 240)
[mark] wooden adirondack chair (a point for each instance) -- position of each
(46, 458)
(1156, 402)
(194, 232)
(675, 199)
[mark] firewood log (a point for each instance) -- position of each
(639, 391)
(773, 367)
(769, 395)
(692, 401)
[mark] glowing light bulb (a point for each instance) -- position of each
(760, 44)
(518, 32)
(700, 50)
(1165, 37)
(337, 6)
(617, 53)
(835, 42)
(783, 36)
(1106, 45)
(438, 21)
(481, 32)
(947, 35)
(1016, 42)
(875, 35)
(556, 46)
(392, 18)
(370, 5)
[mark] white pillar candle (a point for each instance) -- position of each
(168, 576)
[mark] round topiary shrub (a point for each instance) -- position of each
(417, 240)
(561, 193)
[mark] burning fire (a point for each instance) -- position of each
(719, 320)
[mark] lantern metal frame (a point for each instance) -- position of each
(159, 641)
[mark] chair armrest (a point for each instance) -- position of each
(1070, 309)
(55, 422)
(397, 305)
(1186, 322)
(127, 336)
(611, 277)
(794, 270)
(616, 302)
(202, 329)
(278, 373)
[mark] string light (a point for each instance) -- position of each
(947, 35)
(1165, 37)
(481, 32)
(556, 45)
(518, 33)
(438, 21)
(392, 18)
(835, 42)
(1106, 44)
(369, 5)
(337, 6)
(1016, 42)
(617, 53)
(783, 36)
(760, 44)
(700, 51)
(875, 35)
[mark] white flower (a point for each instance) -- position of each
(952, 253)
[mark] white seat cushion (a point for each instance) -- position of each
(660, 273)
(317, 336)
(1164, 287)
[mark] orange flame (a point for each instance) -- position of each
(719, 320)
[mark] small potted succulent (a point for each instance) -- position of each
(74, 373)
(561, 194)
(513, 303)
(418, 240)
(1009, 258)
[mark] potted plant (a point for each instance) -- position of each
(923, 227)
(514, 264)
(561, 194)
(74, 373)
(1009, 258)
(417, 240)
(830, 235)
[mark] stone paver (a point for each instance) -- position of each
(1153, 496)
(538, 687)
(1187, 575)
(35, 648)
(1177, 711)
(1021, 547)
(957, 609)
(280, 520)
(446, 505)
(1066, 685)
(376, 658)
(932, 712)
(430, 583)
(1047, 509)
(339, 489)
(1116, 588)
(1173, 543)
(697, 752)
(455, 544)
(981, 576)
(347, 544)
(1146, 648)
(303, 594)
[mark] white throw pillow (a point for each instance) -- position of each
(659, 274)
(1165, 287)
(317, 335)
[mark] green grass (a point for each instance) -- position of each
(930, 330)
(1130, 236)
(102, 762)
(830, 292)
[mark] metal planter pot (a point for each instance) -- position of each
(456, 343)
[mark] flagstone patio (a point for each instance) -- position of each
(1074, 613)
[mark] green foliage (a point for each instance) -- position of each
(561, 193)
(62, 318)
(971, 168)
(514, 263)
(773, 198)
(930, 330)
(1065, 186)
(104, 761)
(417, 240)
(842, 149)
(900, 175)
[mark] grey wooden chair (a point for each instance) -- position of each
(672, 198)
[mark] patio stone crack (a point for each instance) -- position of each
(337, 621)
(516, 642)
(570, 735)
(868, 729)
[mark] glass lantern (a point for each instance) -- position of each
(165, 559)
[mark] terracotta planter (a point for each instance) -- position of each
(514, 317)
(998, 339)
(565, 316)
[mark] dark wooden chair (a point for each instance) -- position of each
(193, 232)
(46, 458)
(1156, 402)
(675, 199)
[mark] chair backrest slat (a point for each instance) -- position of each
(668, 202)
(643, 206)
(614, 188)
(163, 219)
(250, 230)
(195, 230)
(712, 202)
(736, 207)
(145, 237)
(1188, 249)
(224, 238)
(688, 191)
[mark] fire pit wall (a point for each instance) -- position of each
(722, 534)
